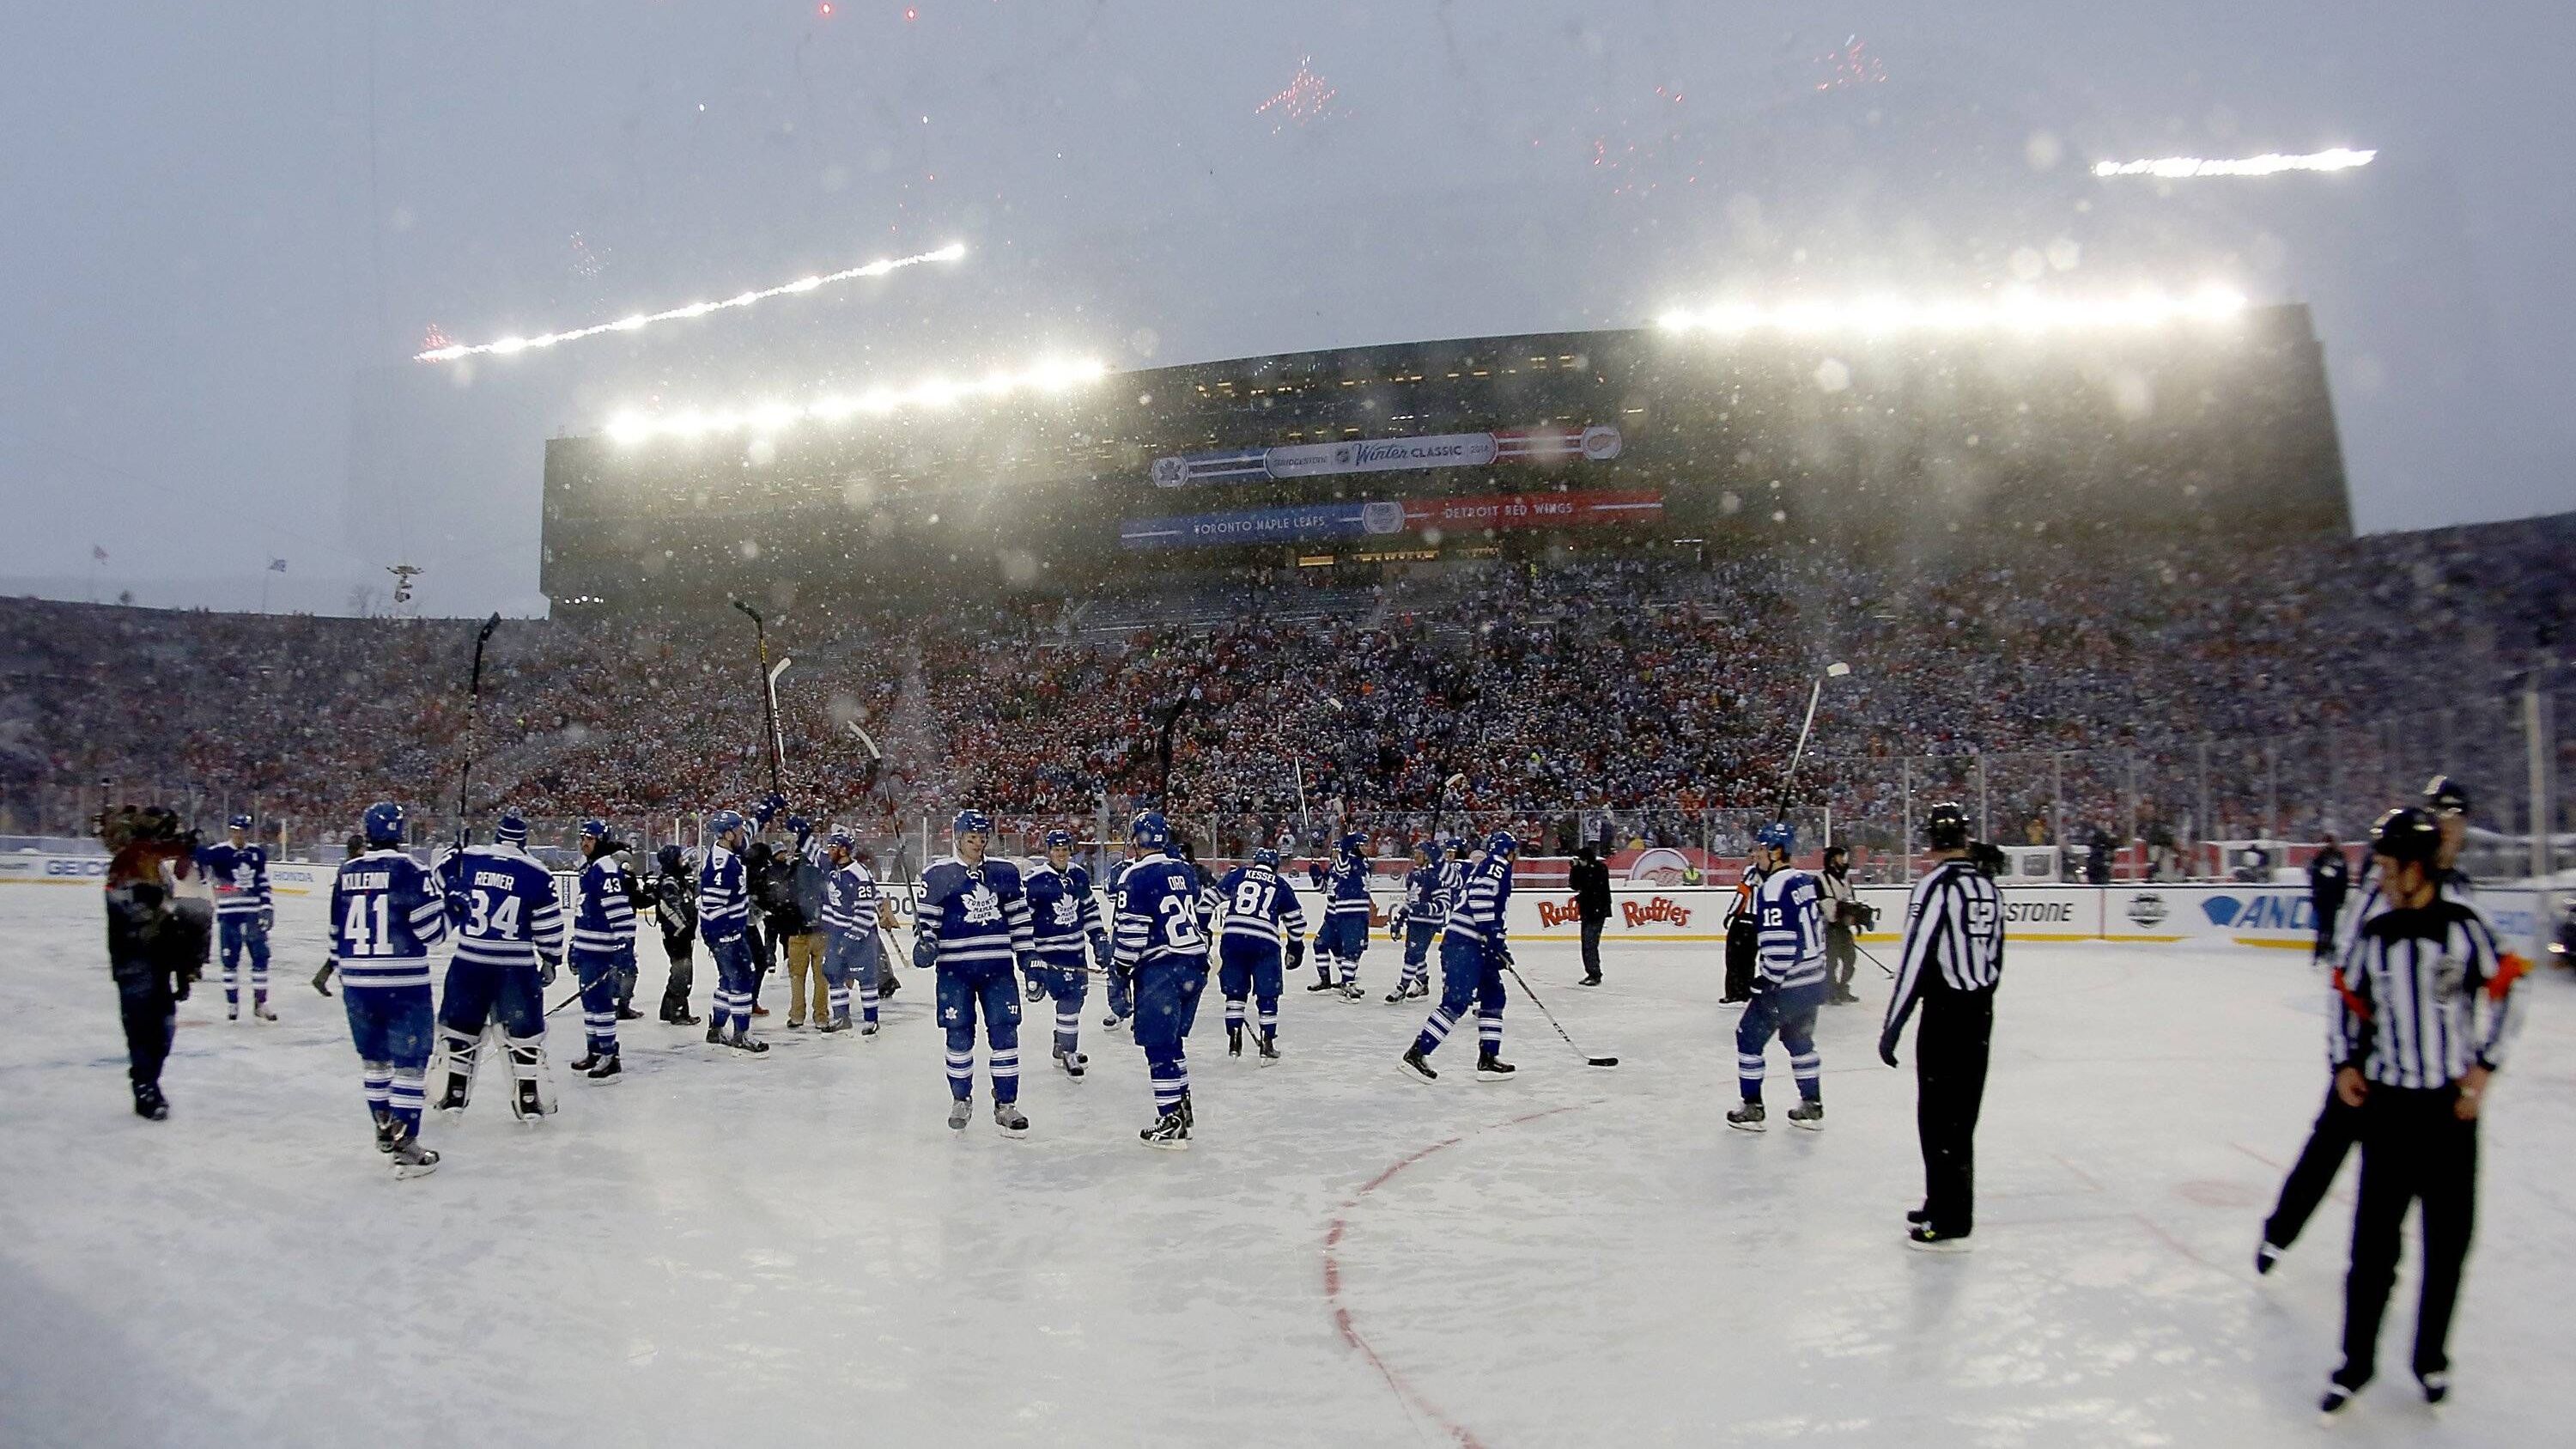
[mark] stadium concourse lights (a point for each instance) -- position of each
(1052, 376)
(2014, 310)
(510, 346)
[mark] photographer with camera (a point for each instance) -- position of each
(1846, 916)
(675, 910)
(160, 925)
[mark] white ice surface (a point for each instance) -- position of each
(796, 1250)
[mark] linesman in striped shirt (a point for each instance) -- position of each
(1953, 956)
(2427, 1006)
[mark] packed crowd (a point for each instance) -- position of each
(1507, 691)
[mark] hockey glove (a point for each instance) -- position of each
(1296, 954)
(1100, 951)
(925, 952)
(1395, 920)
(1887, 1046)
(546, 970)
(322, 978)
(1036, 989)
(1501, 953)
(267, 919)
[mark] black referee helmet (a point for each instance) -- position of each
(2407, 833)
(2446, 796)
(1946, 828)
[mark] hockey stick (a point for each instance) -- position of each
(473, 717)
(1588, 1060)
(1873, 959)
(768, 693)
(1835, 670)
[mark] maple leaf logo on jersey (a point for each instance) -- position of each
(982, 907)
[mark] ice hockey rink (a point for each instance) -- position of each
(794, 1249)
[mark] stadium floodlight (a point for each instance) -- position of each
(510, 346)
(1049, 377)
(2270, 163)
(2016, 309)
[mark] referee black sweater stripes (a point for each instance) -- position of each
(2424, 997)
(1954, 936)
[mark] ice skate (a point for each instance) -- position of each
(458, 1091)
(2332, 1404)
(149, 1104)
(529, 1103)
(1810, 1115)
(1073, 1062)
(1354, 992)
(1170, 1132)
(410, 1158)
(1269, 1044)
(1009, 1117)
(1398, 994)
(1234, 1038)
(1491, 1068)
(715, 1034)
(607, 1069)
(744, 1041)
(1415, 1067)
(867, 1028)
(1747, 1118)
(385, 1131)
(588, 1060)
(260, 1009)
(2436, 1385)
(2266, 1256)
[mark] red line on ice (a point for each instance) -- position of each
(1333, 1277)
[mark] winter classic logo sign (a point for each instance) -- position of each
(1661, 866)
(2146, 909)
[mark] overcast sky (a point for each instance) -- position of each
(224, 228)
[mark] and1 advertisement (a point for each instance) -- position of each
(1385, 517)
(1598, 443)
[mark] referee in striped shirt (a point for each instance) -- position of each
(1954, 954)
(2338, 1126)
(2427, 1004)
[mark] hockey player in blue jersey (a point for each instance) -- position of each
(1064, 921)
(386, 912)
(244, 912)
(724, 920)
(1160, 942)
(603, 946)
(1260, 919)
(973, 924)
(1346, 917)
(850, 952)
(1473, 952)
(1418, 920)
(1788, 982)
(509, 942)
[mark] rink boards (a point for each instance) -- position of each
(2192, 916)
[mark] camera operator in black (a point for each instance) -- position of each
(2329, 877)
(675, 911)
(1845, 917)
(157, 945)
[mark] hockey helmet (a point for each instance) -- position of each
(1779, 835)
(383, 824)
(2446, 796)
(724, 823)
(595, 829)
(971, 822)
(511, 830)
(1059, 836)
(1424, 850)
(2407, 833)
(1352, 845)
(841, 838)
(800, 826)
(1149, 830)
(1946, 827)
(239, 822)
(1458, 847)
(1266, 858)
(1501, 843)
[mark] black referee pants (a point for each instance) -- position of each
(2329, 1142)
(2413, 1147)
(1949, 1090)
(1743, 940)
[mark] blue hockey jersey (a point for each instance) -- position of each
(1476, 914)
(850, 902)
(1788, 911)
(239, 874)
(974, 915)
(1063, 915)
(386, 912)
(724, 904)
(1258, 906)
(603, 914)
(1425, 900)
(1158, 915)
(1346, 889)
(502, 901)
